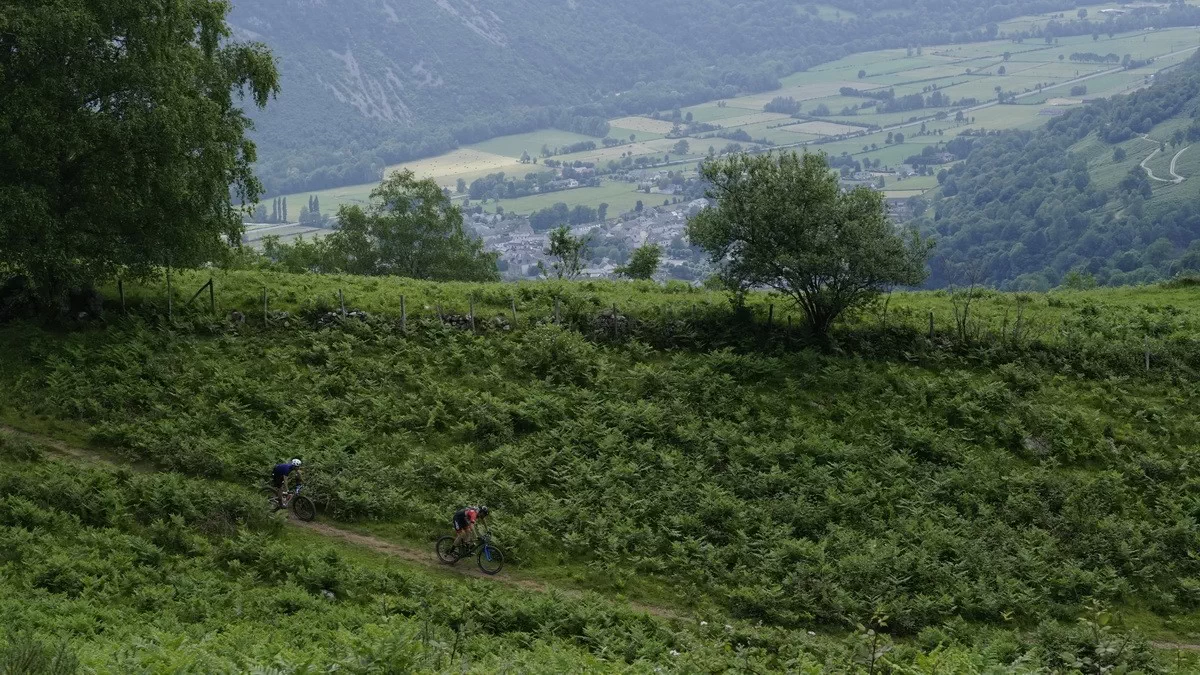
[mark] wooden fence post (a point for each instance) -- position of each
(170, 304)
(212, 297)
(471, 300)
(403, 316)
(121, 292)
(770, 315)
(931, 324)
(514, 312)
(266, 316)
(614, 321)
(1146, 345)
(556, 310)
(342, 301)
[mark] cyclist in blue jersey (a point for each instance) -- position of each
(280, 475)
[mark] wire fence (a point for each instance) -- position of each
(1066, 336)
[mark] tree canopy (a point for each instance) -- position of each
(643, 263)
(122, 136)
(567, 253)
(1031, 206)
(782, 221)
(411, 229)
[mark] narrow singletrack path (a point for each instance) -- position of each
(423, 556)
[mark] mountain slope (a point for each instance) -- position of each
(1095, 192)
(368, 83)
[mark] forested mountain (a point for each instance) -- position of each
(1027, 208)
(368, 83)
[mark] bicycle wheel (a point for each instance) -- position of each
(304, 508)
(490, 558)
(445, 550)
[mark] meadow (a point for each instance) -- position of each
(948, 481)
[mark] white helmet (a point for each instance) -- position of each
(296, 461)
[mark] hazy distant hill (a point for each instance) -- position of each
(373, 82)
(1028, 208)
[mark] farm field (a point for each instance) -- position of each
(532, 142)
(1030, 64)
(643, 125)
(619, 195)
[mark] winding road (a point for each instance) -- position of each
(1175, 178)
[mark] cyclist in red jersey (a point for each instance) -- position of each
(464, 522)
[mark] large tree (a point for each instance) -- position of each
(122, 136)
(643, 263)
(410, 229)
(783, 221)
(568, 255)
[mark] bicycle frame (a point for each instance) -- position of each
(291, 494)
(479, 540)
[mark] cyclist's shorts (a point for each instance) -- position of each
(277, 480)
(460, 522)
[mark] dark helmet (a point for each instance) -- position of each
(483, 512)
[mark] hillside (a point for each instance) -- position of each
(369, 83)
(711, 463)
(1107, 190)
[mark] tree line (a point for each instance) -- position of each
(1027, 212)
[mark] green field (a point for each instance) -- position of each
(619, 195)
(826, 12)
(1031, 64)
(800, 479)
(532, 142)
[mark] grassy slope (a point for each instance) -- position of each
(113, 571)
(195, 577)
(816, 473)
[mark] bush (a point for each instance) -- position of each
(24, 654)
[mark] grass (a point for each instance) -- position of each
(827, 12)
(532, 142)
(974, 465)
(619, 195)
(1188, 165)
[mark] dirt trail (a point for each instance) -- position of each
(417, 556)
(1176, 646)
(1175, 179)
(466, 567)
(1178, 178)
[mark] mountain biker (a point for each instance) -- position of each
(464, 522)
(279, 477)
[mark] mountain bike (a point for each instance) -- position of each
(302, 506)
(489, 557)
